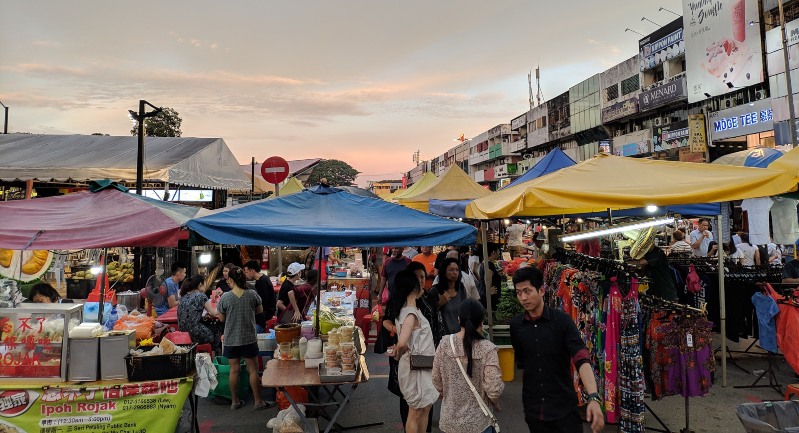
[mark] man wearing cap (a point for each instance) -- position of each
(293, 273)
(656, 264)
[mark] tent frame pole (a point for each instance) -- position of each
(722, 306)
(483, 230)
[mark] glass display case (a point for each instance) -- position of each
(34, 340)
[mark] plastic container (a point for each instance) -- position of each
(267, 341)
(141, 368)
(222, 366)
(307, 330)
(506, 363)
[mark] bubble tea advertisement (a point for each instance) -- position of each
(721, 48)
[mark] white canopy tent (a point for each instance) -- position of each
(194, 162)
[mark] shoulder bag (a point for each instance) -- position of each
(418, 361)
(483, 407)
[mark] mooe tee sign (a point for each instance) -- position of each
(720, 46)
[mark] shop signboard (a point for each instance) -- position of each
(671, 136)
(635, 143)
(741, 120)
(125, 407)
(625, 108)
(663, 44)
(721, 47)
(697, 139)
(665, 93)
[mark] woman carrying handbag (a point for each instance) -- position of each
(466, 372)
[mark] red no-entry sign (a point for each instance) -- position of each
(275, 169)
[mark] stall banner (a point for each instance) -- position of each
(742, 120)
(697, 140)
(663, 44)
(671, 136)
(721, 47)
(118, 408)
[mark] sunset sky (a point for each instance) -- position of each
(367, 82)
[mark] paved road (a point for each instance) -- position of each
(372, 402)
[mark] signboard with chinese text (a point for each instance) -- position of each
(741, 120)
(620, 109)
(671, 136)
(118, 408)
(697, 140)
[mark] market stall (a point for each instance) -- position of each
(46, 347)
(325, 216)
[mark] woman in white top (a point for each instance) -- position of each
(751, 256)
(414, 337)
(460, 410)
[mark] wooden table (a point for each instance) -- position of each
(282, 374)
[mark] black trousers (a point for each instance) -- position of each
(404, 414)
(568, 424)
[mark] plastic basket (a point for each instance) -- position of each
(159, 367)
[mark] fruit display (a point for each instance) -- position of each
(117, 272)
(24, 265)
(120, 272)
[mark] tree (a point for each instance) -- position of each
(165, 124)
(100, 133)
(337, 173)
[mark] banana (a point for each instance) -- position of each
(5, 257)
(36, 262)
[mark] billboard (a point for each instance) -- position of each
(671, 136)
(741, 120)
(720, 46)
(663, 94)
(663, 44)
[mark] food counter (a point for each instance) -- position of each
(34, 339)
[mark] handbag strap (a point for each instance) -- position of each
(480, 401)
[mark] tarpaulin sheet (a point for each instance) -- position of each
(108, 218)
(325, 216)
(618, 182)
(454, 184)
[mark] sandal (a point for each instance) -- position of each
(264, 405)
(238, 405)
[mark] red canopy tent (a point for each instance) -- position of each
(106, 218)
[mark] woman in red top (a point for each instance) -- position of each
(300, 297)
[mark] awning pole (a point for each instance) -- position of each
(486, 281)
(722, 307)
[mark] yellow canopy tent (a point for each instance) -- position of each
(454, 184)
(420, 185)
(618, 182)
(292, 185)
(389, 195)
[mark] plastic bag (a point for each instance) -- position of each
(143, 325)
(122, 311)
(298, 394)
(91, 312)
(287, 421)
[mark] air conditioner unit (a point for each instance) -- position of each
(666, 120)
(727, 103)
(658, 121)
(760, 94)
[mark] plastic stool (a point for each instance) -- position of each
(366, 327)
(792, 389)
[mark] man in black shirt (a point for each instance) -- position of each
(546, 342)
(265, 289)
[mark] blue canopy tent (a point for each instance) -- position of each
(760, 157)
(553, 161)
(325, 216)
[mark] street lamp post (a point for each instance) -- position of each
(789, 87)
(5, 122)
(139, 118)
